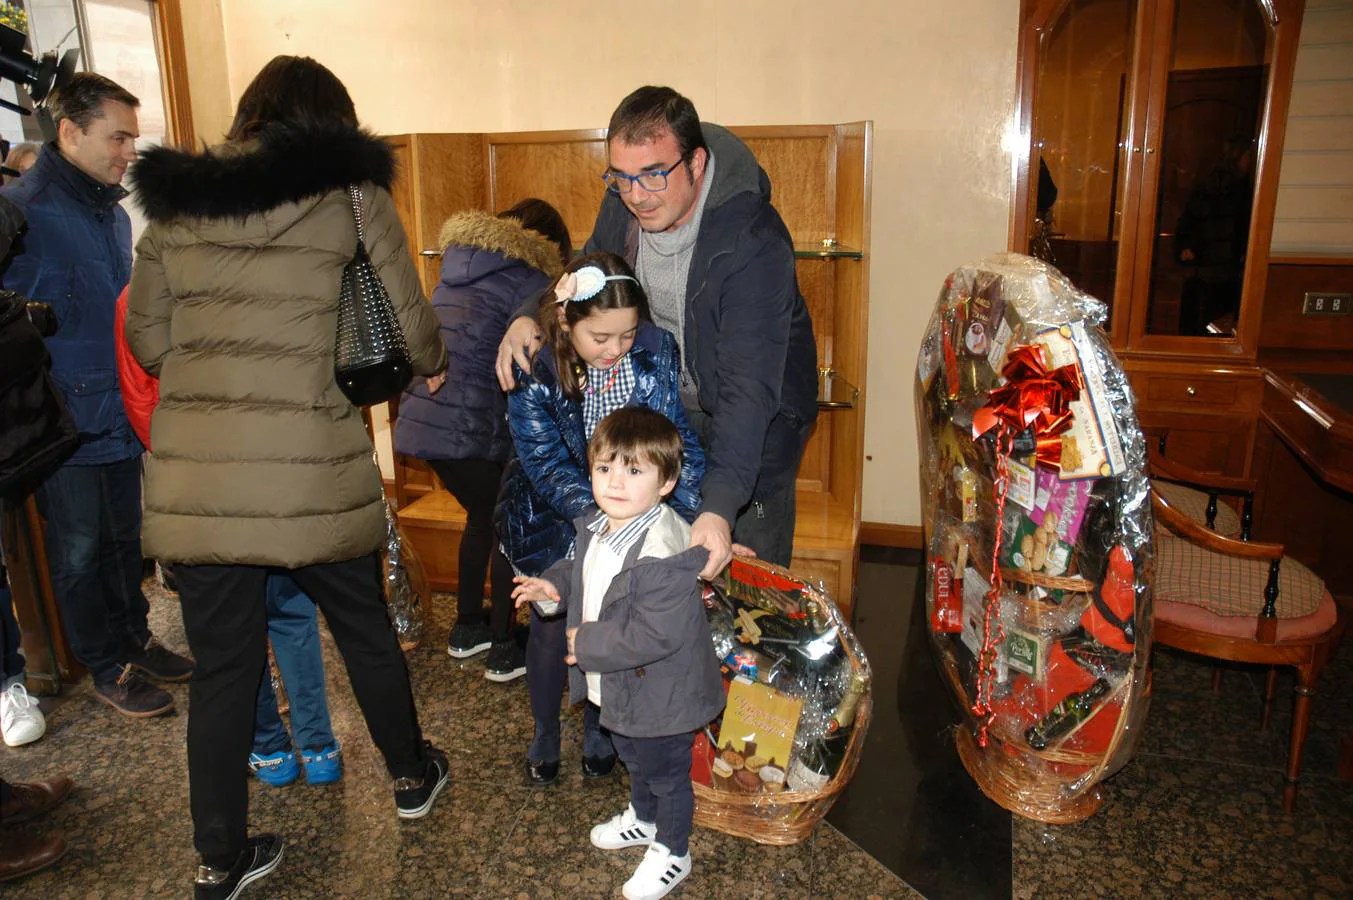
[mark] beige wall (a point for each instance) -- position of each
(937, 79)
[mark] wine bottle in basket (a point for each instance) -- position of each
(1066, 715)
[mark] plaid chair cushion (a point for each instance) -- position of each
(1193, 503)
(1227, 585)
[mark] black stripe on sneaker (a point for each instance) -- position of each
(672, 871)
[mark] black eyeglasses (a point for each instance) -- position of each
(652, 181)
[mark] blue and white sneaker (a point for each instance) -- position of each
(276, 769)
(323, 766)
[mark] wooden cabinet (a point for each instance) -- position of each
(821, 179)
(1155, 132)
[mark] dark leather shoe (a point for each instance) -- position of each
(24, 854)
(28, 801)
(598, 766)
(543, 772)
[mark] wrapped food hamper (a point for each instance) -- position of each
(798, 706)
(1038, 530)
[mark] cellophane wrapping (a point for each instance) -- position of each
(406, 584)
(1038, 532)
(798, 709)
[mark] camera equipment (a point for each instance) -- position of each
(39, 76)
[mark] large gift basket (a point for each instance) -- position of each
(1038, 535)
(798, 706)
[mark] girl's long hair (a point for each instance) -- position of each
(620, 294)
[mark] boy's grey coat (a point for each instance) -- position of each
(651, 641)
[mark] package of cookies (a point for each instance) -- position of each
(1037, 515)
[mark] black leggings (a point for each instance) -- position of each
(474, 484)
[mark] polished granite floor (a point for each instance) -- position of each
(1197, 812)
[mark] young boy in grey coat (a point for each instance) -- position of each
(638, 639)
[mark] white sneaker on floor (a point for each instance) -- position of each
(624, 830)
(20, 719)
(657, 874)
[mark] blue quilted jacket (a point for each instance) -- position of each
(489, 266)
(546, 485)
(77, 256)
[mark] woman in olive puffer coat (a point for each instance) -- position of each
(260, 462)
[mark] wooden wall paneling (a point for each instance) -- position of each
(174, 71)
(562, 168)
(404, 186)
(853, 175)
(801, 164)
(1294, 508)
(1283, 325)
(450, 179)
(817, 284)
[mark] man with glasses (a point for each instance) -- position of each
(689, 207)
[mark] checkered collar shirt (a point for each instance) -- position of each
(607, 390)
(620, 541)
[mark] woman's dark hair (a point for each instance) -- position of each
(543, 219)
(618, 294)
(292, 90)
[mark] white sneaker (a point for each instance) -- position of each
(20, 719)
(624, 830)
(657, 874)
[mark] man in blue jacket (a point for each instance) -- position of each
(77, 257)
(689, 207)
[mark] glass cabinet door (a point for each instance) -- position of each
(1082, 122)
(1209, 123)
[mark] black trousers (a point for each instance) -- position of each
(660, 784)
(224, 613)
(474, 484)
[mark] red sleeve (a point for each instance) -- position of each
(140, 389)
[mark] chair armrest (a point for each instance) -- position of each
(1204, 537)
(1173, 470)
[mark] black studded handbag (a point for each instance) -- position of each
(371, 359)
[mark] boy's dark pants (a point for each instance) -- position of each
(660, 784)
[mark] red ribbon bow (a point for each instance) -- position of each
(1032, 395)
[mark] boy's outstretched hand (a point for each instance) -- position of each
(530, 589)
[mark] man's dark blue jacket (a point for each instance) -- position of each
(77, 256)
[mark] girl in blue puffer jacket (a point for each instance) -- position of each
(601, 352)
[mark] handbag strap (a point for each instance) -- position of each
(355, 195)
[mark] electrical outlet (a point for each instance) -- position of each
(1323, 303)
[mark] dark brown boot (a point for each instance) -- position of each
(24, 854)
(28, 801)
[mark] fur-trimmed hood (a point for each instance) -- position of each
(508, 237)
(284, 164)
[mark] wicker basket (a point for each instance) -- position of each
(789, 816)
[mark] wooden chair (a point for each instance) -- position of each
(1241, 601)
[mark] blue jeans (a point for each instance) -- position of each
(293, 630)
(93, 537)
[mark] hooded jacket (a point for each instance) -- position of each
(546, 484)
(259, 457)
(488, 266)
(77, 256)
(748, 337)
(651, 641)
